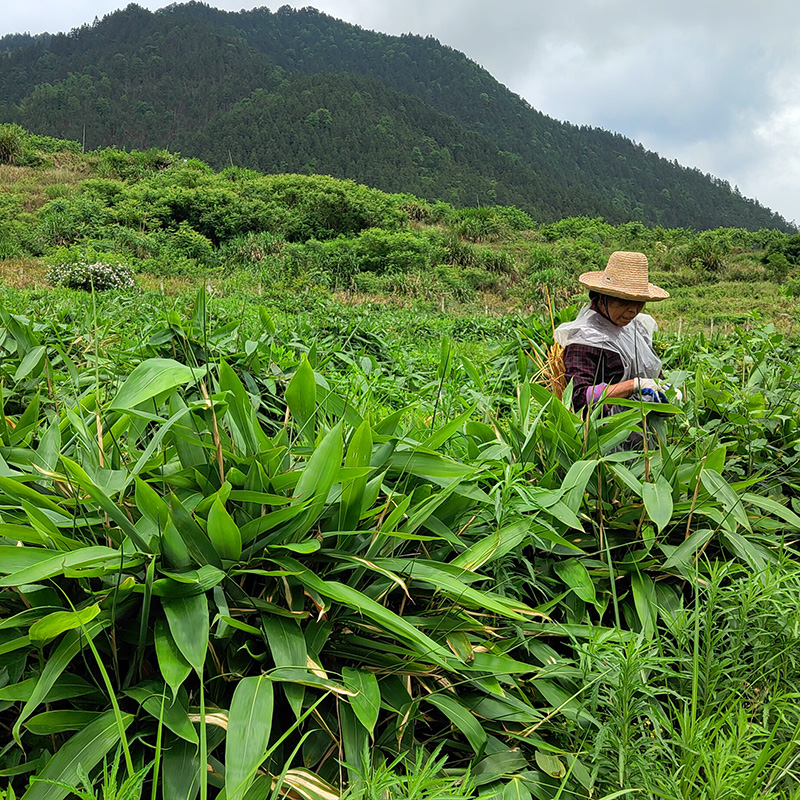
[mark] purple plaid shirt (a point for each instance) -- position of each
(590, 369)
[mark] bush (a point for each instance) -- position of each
(98, 276)
(12, 140)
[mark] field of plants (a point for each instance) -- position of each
(253, 554)
(289, 511)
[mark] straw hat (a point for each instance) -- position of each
(625, 276)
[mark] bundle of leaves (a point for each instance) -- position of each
(99, 276)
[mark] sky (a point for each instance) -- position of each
(714, 84)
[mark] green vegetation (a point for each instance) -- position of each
(367, 538)
(298, 91)
(257, 540)
(292, 235)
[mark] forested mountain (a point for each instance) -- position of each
(299, 91)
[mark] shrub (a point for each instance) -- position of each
(98, 276)
(12, 139)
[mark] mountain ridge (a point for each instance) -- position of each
(185, 76)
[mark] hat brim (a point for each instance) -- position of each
(598, 281)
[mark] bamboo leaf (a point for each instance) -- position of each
(301, 397)
(223, 532)
(288, 648)
(84, 750)
(575, 575)
(462, 719)
(657, 498)
(174, 667)
(249, 726)
(60, 621)
(151, 378)
(72, 643)
(189, 625)
(367, 702)
(721, 491)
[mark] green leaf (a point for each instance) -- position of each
(85, 749)
(288, 648)
(427, 648)
(189, 624)
(683, 553)
(359, 453)
(367, 703)
(197, 543)
(575, 575)
(58, 660)
(100, 498)
(515, 789)
(657, 498)
(644, 598)
(721, 491)
(60, 621)
(50, 563)
(301, 397)
(174, 667)
(33, 358)
(151, 378)
(549, 764)
(462, 719)
(49, 722)
(223, 532)
(249, 726)
(150, 695)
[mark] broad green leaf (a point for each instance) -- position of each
(681, 556)
(189, 624)
(174, 667)
(516, 789)
(59, 659)
(223, 532)
(151, 378)
(33, 359)
(359, 453)
(50, 563)
(644, 598)
(574, 483)
(49, 722)
(367, 703)
(301, 397)
(427, 648)
(85, 749)
(774, 508)
(550, 764)
(197, 542)
(181, 774)
(152, 698)
(721, 491)
(575, 575)
(657, 498)
(288, 648)
(100, 498)
(249, 726)
(462, 718)
(60, 621)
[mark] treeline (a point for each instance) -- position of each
(299, 91)
(169, 216)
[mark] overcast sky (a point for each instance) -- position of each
(713, 83)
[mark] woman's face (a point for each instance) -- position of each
(621, 312)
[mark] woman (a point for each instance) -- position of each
(608, 349)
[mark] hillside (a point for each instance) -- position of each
(299, 91)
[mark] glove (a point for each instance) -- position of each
(678, 393)
(646, 383)
(650, 390)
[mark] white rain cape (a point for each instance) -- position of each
(633, 342)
